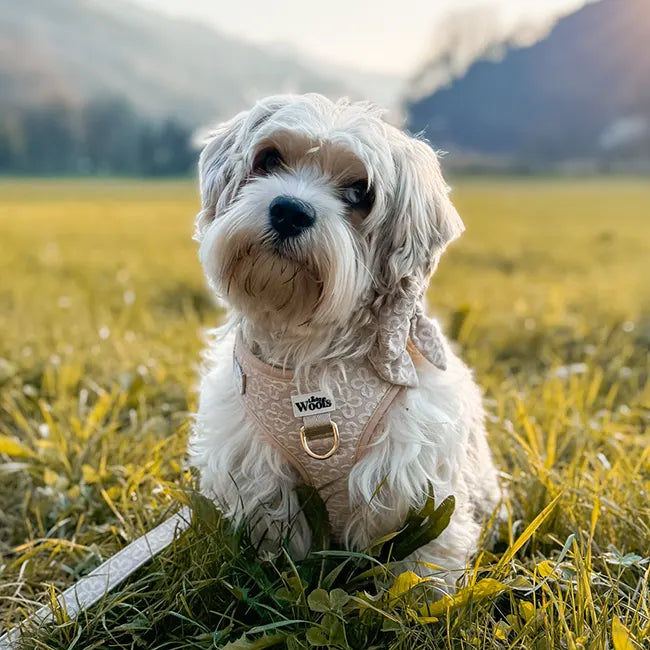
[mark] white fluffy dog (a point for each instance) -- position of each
(320, 227)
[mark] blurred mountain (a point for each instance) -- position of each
(75, 51)
(582, 93)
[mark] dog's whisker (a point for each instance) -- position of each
(248, 284)
(295, 273)
(289, 297)
(268, 279)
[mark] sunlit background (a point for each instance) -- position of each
(120, 86)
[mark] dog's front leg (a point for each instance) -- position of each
(258, 492)
(273, 522)
(241, 471)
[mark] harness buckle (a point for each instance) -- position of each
(335, 442)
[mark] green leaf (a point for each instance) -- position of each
(331, 577)
(338, 599)
(438, 521)
(337, 634)
(391, 625)
(365, 603)
(316, 637)
(319, 601)
(380, 572)
(283, 594)
(221, 635)
(415, 518)
(427, 510)
(257, 644)
(273, 626)
(204, 511)
(529, 532)
(411, 540)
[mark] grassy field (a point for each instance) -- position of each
(102, 304)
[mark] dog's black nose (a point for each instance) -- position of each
(290, 216)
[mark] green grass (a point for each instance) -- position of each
(101, 308)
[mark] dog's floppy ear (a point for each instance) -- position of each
(222, 164)
(420, 222)
(218, 167)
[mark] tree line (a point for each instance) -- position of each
(104, 137)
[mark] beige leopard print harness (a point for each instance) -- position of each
(323, 435)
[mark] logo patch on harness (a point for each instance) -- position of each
(312, 404)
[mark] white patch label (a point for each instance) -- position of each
(312, 404)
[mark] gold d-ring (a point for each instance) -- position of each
(335, 443)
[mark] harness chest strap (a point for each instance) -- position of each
(322, 436)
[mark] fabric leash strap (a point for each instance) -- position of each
(93, 587)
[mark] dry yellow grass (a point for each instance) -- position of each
(101, 306)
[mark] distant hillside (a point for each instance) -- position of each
(75, 51)
(581, 93)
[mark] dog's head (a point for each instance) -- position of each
(313, 210)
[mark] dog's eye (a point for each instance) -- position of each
(357, 195)
(267, 161)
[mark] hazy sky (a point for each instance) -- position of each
(376, 35)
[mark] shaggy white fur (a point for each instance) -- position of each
(328, 294)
